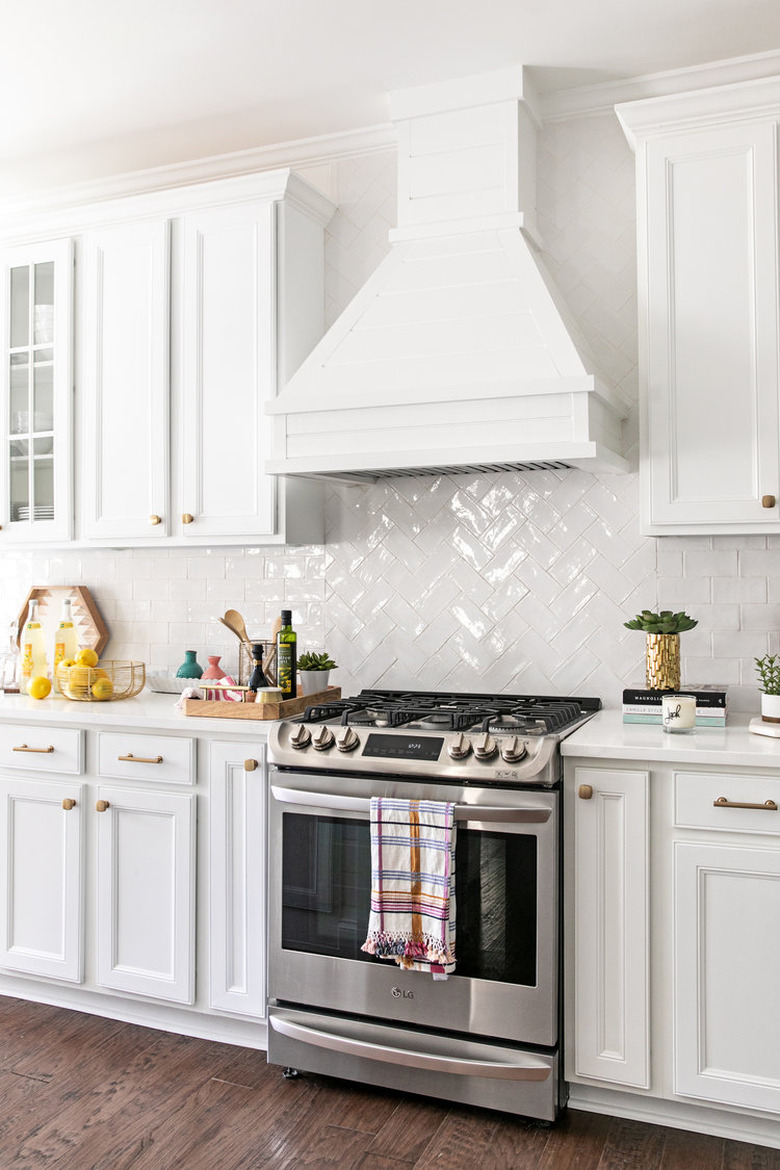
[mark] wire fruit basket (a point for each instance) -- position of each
(108, 681)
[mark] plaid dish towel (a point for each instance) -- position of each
(412, 920)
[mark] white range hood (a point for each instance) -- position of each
(458, 353)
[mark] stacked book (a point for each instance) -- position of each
(642, 706)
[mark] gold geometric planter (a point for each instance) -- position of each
(662, 662)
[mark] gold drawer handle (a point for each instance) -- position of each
(155, 519)
(68, 803)
(101, 805)
(187, 517)
(768, 501)
(723, 802)
(24, 748)
(250, 765)
(585, 791)
(131, 759)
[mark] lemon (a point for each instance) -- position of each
(78, 679)
(39, 687)
(87, 657)
(102, 688)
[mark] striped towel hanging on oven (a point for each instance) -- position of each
(412, 919)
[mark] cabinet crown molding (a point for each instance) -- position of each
(718, 105)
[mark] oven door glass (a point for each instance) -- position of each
(326, 878)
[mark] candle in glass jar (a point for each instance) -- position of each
(678, 712)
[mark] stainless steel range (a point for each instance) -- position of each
(489, 1035)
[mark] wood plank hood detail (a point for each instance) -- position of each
(458, 352)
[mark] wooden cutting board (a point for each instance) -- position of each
(224, 709)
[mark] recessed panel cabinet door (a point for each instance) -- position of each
(709, 330)
(146, 893)
(237, 890)
(124, 442)
(41, 880)
(228, 370)
(611, 964)
(726, 960)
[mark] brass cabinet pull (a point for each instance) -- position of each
(187, 517)
(24, 748)
(131, 759)
(768, 501)
(250, 765)
(155, 519)
(68, 804)
(723, 802)
(585, 791)
(101, 805)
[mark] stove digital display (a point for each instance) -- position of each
(404, 747)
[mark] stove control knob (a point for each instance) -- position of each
(512, 749)
(459, 747)
(347, 740)
(322, 738)
(485, 747)
(301, 737)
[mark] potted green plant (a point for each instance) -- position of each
(314, 671)
(768, 671)
(662, 656)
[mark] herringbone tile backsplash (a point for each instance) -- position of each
(501, 581)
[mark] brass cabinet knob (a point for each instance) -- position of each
(68, 804)
(155, 519)
(250, 765)
(101, 805)
(585, 791)
(768, 501)
(187, 517)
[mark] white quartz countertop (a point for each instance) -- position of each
(606, 736)
(146, 712)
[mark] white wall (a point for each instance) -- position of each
(480, 582)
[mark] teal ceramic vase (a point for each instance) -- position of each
(189, 668)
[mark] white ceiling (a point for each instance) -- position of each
(90, 87)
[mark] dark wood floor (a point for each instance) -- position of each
(84, 1093)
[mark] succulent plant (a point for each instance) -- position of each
(311, 660)
(665, 622)
(768, 671)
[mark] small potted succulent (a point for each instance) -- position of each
(662, 658)
(768, 671)
(314, 671)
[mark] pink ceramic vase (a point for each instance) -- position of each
(213, 670)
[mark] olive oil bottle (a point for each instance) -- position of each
(287, 657)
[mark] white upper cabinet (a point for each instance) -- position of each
(124, 450)
(228, 370)
(707, 199)
(36, 393)
(193, 307)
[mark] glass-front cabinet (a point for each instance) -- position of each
(37, 380)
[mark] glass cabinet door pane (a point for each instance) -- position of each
(43, 397)
(43, 488)
(20, 307)
(43, 310)
(19, 474)
(19, 405)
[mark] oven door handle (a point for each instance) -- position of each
(527, 1068)
(463, 812)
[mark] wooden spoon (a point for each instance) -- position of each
(270, 658)
(234, 621)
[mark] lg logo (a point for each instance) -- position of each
(398, 994)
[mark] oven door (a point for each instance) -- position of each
(505, 983)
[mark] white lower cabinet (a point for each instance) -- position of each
(146, 893)
(611, 993)
(237, 803)
(672, 888)
(109, 891)
(726, 962)
(42, 879)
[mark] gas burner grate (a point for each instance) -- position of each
(524, 714)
